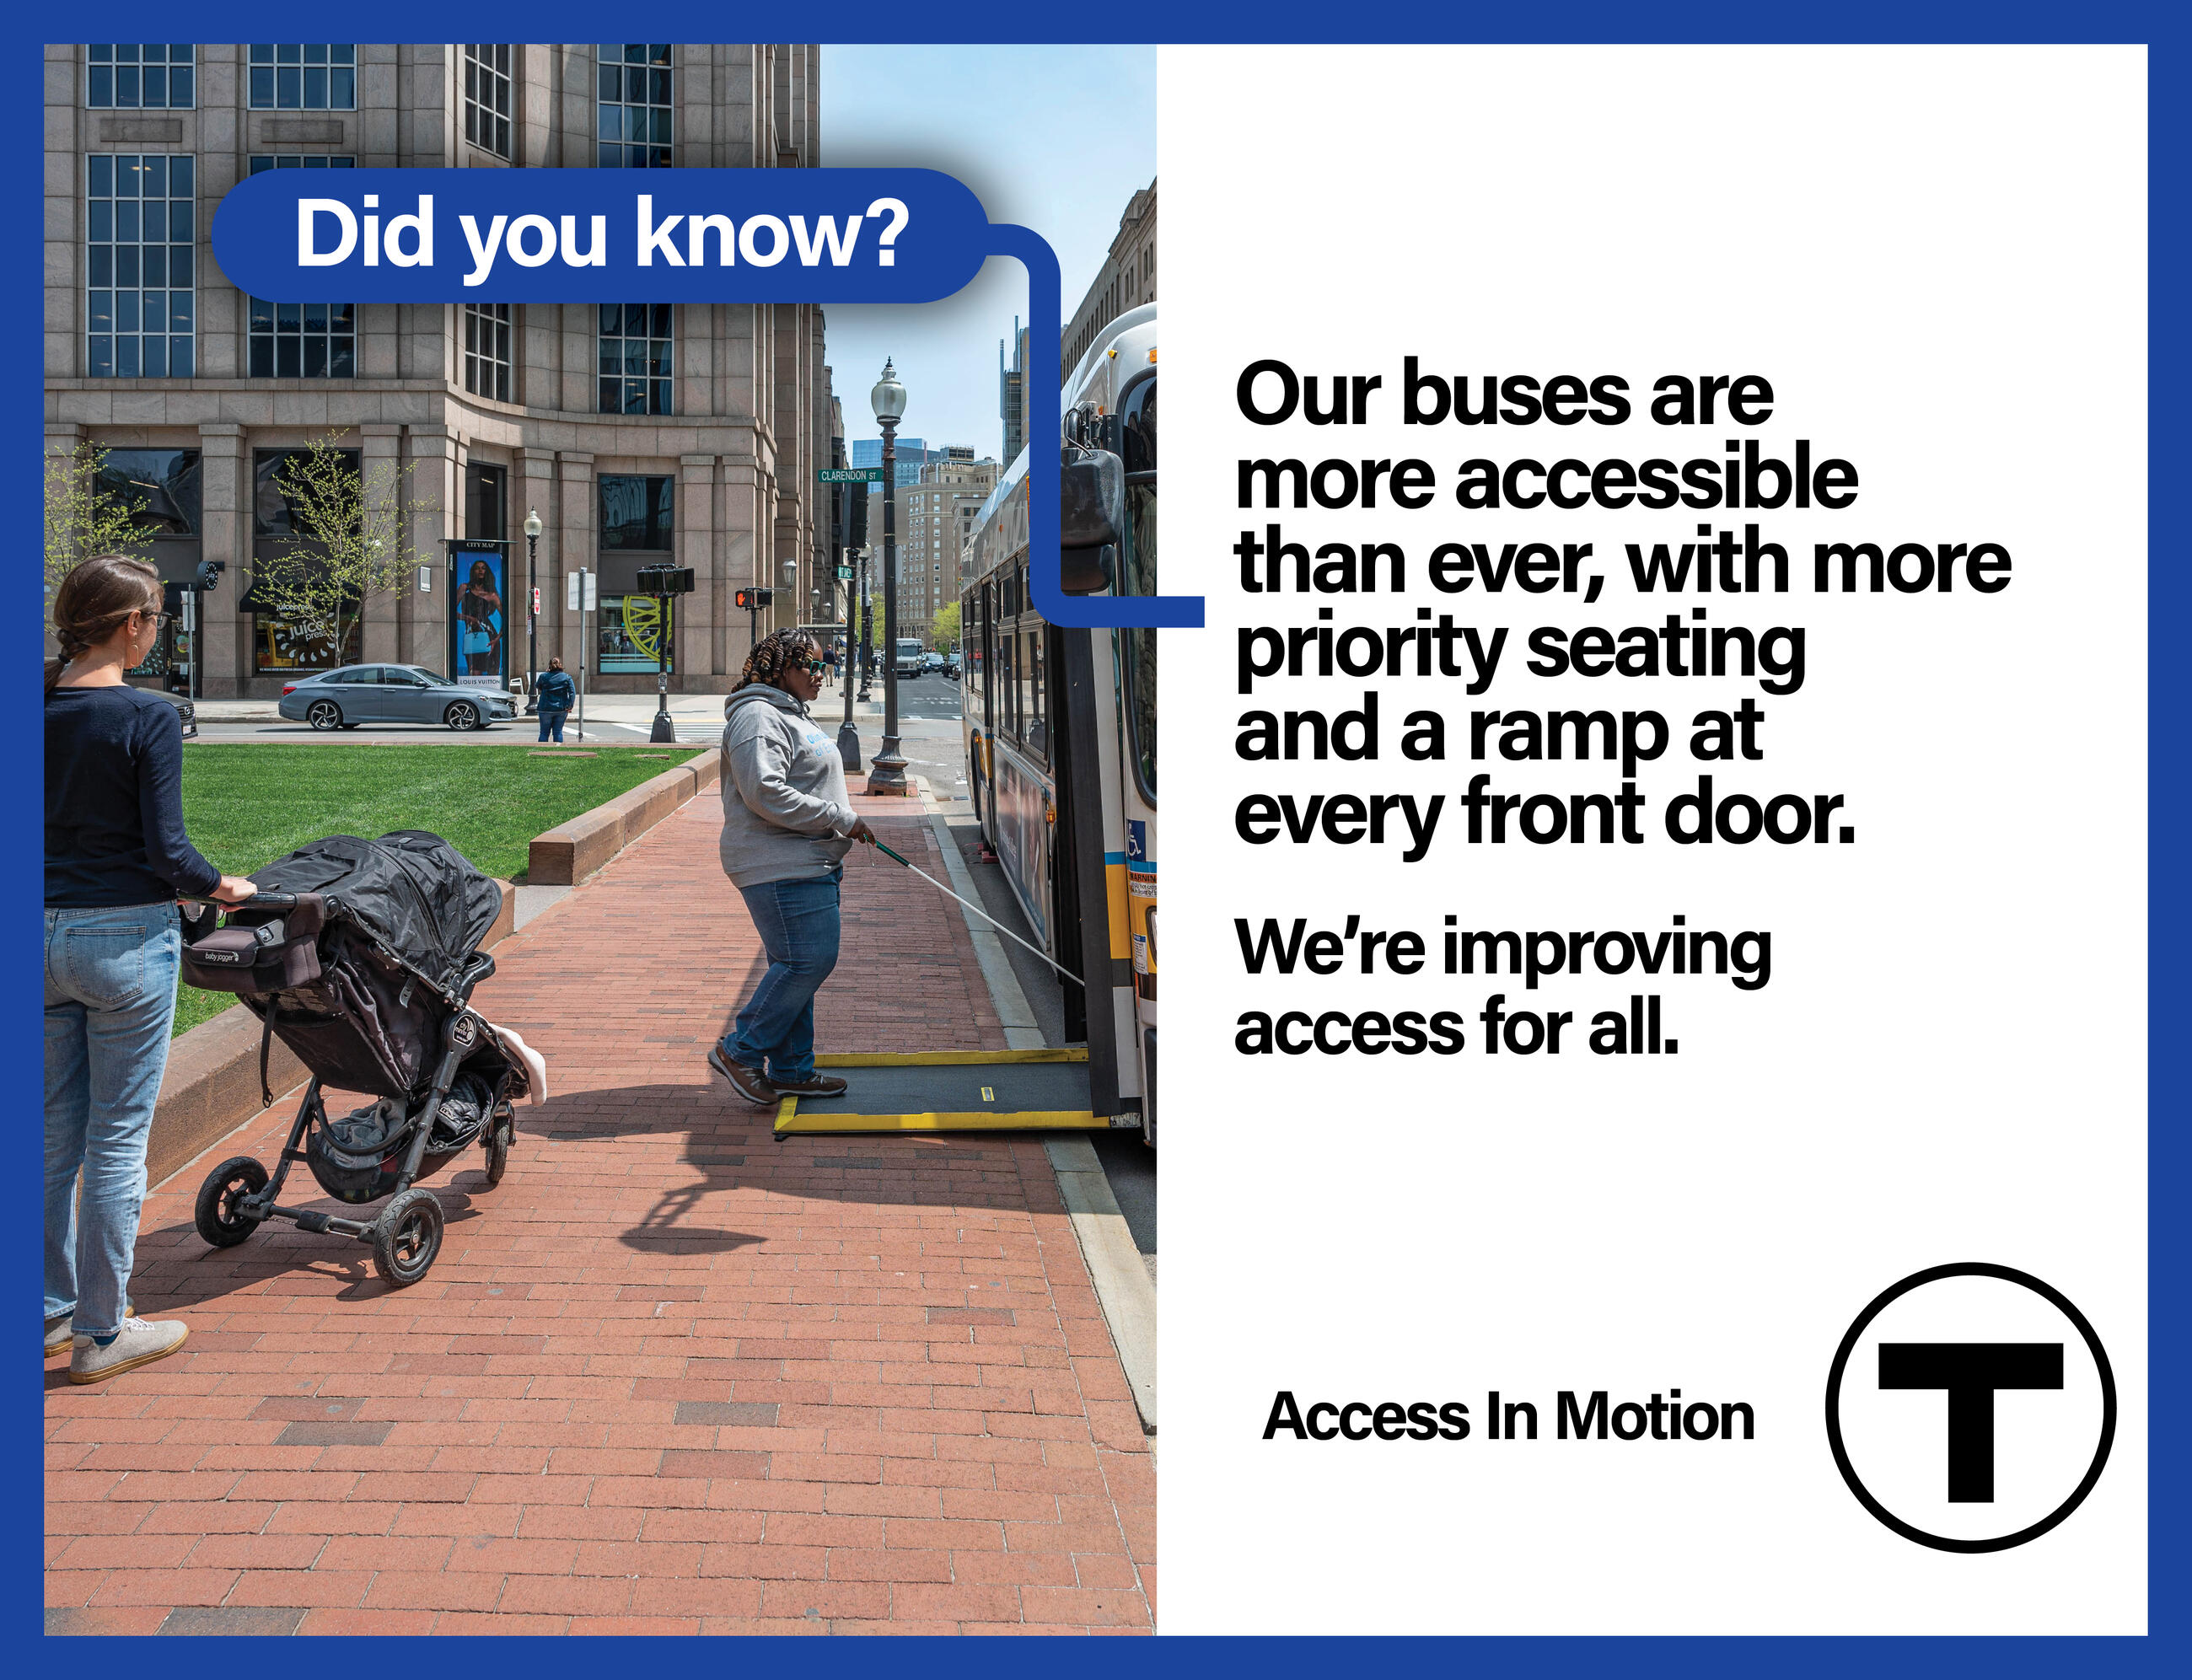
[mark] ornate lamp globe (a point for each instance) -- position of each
(888, 396)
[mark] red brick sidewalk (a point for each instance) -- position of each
(671, 1375)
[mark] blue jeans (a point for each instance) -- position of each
(552, 720)
(110, 1002)
(797, 921)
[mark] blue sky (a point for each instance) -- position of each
(1056, 139)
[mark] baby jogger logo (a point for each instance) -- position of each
(2029, 1398)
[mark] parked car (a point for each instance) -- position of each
(185, 712)
(951, 666)
(358, 694)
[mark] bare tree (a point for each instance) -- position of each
(85, 516)
(349, 541)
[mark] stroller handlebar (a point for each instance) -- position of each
(258, 901)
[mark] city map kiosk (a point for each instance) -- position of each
(479, 611)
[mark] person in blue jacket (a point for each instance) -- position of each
(557, 696)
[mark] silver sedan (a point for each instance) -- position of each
(358, 694)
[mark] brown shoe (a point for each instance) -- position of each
(747, 1082)
(815, 1085)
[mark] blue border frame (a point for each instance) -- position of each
(2165, 30)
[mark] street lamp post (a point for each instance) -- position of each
(663, 730)
(887, 774)
(532, 610)
(867, 628)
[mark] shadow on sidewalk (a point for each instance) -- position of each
(565, 1146)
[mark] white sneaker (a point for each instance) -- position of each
(141, 1341)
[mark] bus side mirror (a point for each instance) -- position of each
(1087, 571)
(1092, 510)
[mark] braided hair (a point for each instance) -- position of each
(773, 652)
(93, 602)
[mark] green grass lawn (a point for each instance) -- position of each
(246, 806)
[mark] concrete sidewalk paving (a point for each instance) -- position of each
(672, 1374)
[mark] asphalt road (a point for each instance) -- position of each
(918, 697)
(623, 719)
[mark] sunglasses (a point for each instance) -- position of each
(817, 666)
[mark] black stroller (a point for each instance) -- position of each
(361, 955)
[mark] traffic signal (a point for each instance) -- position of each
(664, 580)
(752, 600)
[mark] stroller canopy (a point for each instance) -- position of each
(413, 891)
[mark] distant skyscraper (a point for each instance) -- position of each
(1012, 392)
(910, 456)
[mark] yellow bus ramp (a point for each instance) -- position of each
(949, 1090)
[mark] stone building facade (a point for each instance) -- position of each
(938, 520)
(684, 435)
(1128, 279)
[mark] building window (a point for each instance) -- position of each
(635, 511)
(159, 486)
(629, 640)
(484, 485)
(160, 77)
(302, 341)
(308, 77)
(280, 643)
(633, 106)
(635, 359)
(487, 98)
(486, 351)
(140, 245)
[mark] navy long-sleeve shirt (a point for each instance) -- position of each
(558, 693)
(114, 801)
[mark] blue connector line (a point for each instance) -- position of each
(1046, 575)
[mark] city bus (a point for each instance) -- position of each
(1060, 732)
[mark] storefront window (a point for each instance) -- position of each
(279, 645)
(631, 642)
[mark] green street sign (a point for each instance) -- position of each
(848, 474)
(845, 574)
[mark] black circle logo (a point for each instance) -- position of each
(1972, 1372)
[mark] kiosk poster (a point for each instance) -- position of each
(479, 615)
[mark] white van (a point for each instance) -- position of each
(911, 655)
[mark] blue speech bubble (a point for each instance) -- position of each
(599, 235)
(669, 235)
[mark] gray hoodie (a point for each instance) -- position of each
(784, 791)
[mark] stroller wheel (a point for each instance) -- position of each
(407, 1237)
(498, 1146)
(226, 1185)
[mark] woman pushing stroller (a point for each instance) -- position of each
(116, 856)
(788, 822)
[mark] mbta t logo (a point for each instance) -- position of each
(1970, 1408)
